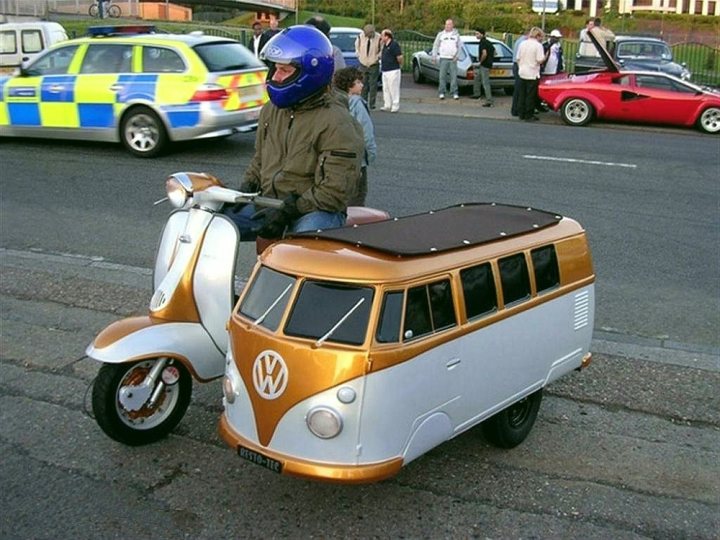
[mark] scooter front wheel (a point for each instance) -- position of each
(144, 422)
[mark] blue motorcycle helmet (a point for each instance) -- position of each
(308, 50)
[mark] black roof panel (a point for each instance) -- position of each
(450, 228)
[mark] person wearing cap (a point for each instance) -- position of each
(554, 53)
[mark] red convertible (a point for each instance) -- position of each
(630, 96)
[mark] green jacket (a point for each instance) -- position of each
(313, 150)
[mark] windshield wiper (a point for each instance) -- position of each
(330, 332)
(261, 318)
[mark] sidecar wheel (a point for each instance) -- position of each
(148, 424)
(511, 426)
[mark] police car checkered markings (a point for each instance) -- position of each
(259, 459)
(185, 99)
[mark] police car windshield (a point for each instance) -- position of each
(226, 56)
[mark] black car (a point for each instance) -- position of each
(637, 53)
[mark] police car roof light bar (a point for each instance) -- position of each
(106, 31)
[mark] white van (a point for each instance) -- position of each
(22, 41)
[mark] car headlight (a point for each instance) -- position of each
(229, 390)
(179, 189)
(685, 75)
(324, 422)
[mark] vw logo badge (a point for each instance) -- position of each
(270, 375)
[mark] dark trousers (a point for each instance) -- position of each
(516, 90)
(370, 84)
(527, 98)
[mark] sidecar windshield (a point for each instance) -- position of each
(335, 312)
(267, 298)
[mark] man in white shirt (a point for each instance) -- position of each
(446, 49)
(530, 57)
(258, 40)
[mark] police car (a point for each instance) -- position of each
(136, 86)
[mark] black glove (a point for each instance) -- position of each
(249, 187)
(277, 219)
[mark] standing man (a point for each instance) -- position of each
(604, 35)
(516, 77)
(308, 147)
(367, 48)
(270, 32)
(587, 47)
(530, 58)
(258, 39)
(446, 49)
(391, 61)
(553, 51)
(486, 54)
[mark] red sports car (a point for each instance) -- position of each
(631, 96)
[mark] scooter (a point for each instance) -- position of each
(144, 386)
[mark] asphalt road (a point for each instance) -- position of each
(629, 448)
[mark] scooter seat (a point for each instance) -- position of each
(356, 215)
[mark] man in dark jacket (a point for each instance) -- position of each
(308, 147)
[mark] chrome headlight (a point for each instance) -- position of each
(685, 75)
(179, 189)
(324, 422)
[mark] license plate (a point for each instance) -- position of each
(259, 459)
(499, 73)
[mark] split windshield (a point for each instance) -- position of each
(323, 311)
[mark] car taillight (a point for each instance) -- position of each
(470, 74)
(210, 92)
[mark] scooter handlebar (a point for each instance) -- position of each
(222, 194)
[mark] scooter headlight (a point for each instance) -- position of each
(179, 190)
(324, 422)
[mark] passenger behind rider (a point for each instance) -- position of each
(308, 147)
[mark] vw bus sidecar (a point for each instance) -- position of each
(354, 351)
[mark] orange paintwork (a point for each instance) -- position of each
(345, 262)
(346, 474)
(181, 306)
(314, 370)
(328, 365)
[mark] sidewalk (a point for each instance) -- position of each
(423, 99)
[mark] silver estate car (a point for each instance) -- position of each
(501, 75)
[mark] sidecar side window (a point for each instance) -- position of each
(267, 298)
(514, 278)
(390, 316)
(429, 309)
(479, 290)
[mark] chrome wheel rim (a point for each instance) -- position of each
(142, 133)
(710, 120)
(146, 417)
(577, 111)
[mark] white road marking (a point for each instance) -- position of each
(584, 161)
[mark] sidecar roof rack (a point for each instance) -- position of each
(455, 227)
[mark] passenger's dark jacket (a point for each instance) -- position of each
(312, 150)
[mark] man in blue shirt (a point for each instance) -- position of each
(391, 60)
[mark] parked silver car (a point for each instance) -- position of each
(501, 75)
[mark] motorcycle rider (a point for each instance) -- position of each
(308, 147)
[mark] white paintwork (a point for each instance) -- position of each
(410, 408)
(189, 340)
(213, 278)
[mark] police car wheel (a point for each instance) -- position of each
(143, 133)
(511, 426)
